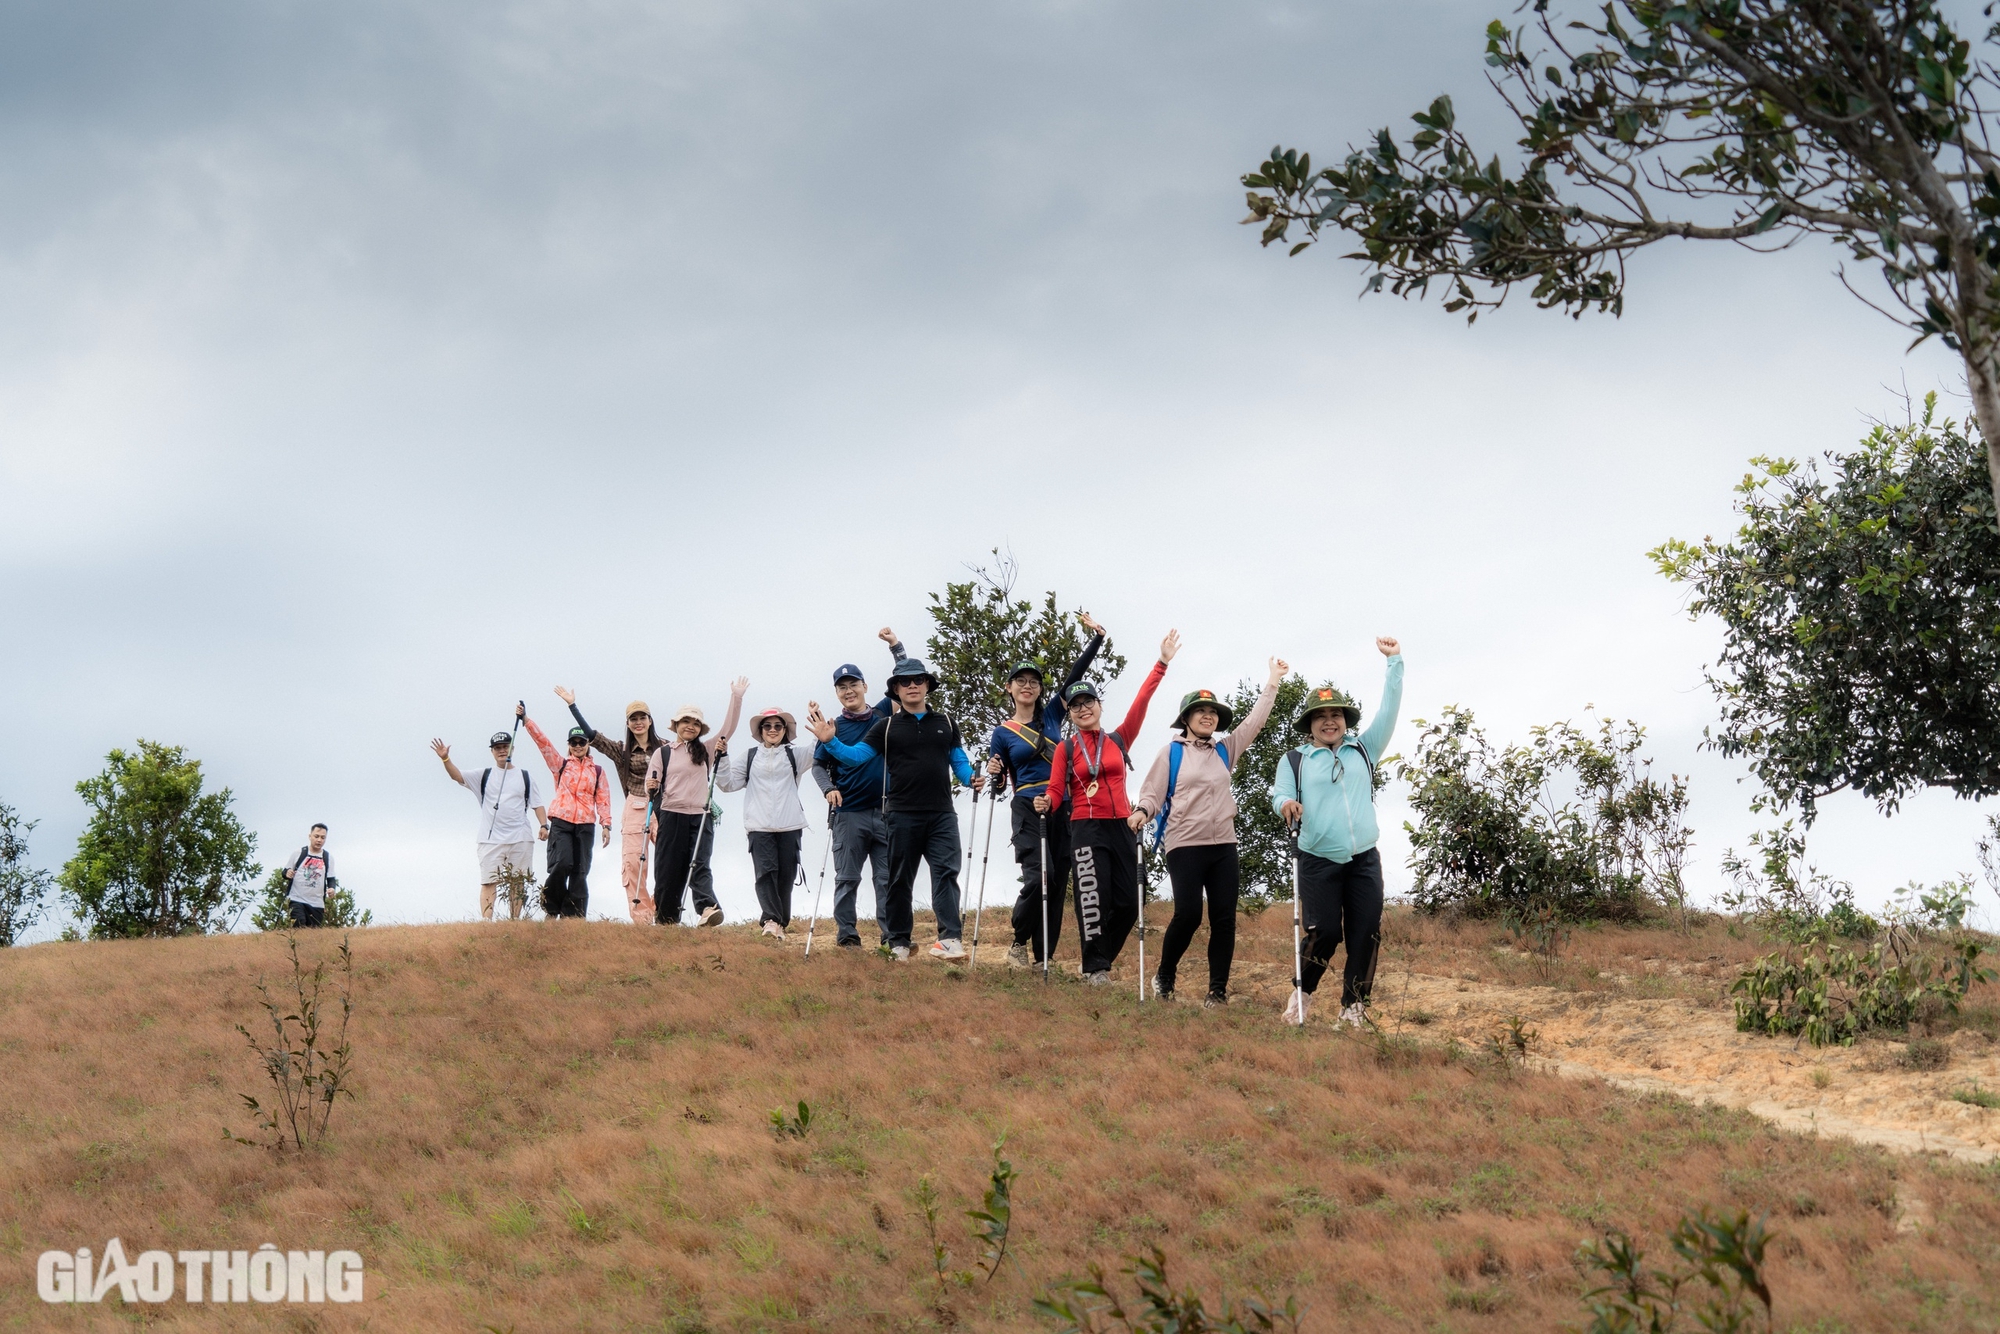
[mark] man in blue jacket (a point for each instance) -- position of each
(854, 801)
(1326, 790)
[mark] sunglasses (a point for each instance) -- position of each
(579, 745)
(771, 725)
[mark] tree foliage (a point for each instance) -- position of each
(271, 914)
(1263, 849)
(1570, 823)
(1765, 120)
(1861, 620)
(982, 630)
(24, 890)
(159, 857)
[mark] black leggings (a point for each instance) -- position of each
(1210, 868)
(1341, 901)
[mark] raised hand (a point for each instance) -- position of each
(1389, 647)
(1089, 622)
(1280, 669)
(817, 724)
(521, 710)
(565, 694)
(739, 687)
(886, 635)
(443, 751)
(1170, 646)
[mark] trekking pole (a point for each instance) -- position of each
(1145, 863)
(822, 882)
(646, 849)
(965, 877)
(1046, 951)
(1298, 955)
(694, 852)
(985, 857)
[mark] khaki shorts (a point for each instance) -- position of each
(492, 856)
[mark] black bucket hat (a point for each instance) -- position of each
(912, 669)
(1225, 716)
(1322, 698)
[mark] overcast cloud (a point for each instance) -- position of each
(364, 368)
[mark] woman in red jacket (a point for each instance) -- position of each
(1089, 768)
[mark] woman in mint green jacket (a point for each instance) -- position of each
(1325, 789)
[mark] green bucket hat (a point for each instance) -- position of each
(1326, 697)
(1226, 716)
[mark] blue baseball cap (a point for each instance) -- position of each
(845, 670)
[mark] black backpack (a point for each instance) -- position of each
(750, 758)
(527, 789)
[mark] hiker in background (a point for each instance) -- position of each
(308, 878)
(921, 752)
(1089, 771)
(854, 798)
(1021, 749)
(506, 797)
(628, 759)
(1187, 794)
(681, 775)
(582, 803)
(1340, 870)
(768, 773)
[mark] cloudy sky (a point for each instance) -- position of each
(364, 368)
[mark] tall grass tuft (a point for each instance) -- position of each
(309, 1068)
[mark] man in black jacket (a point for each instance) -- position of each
(922, 751)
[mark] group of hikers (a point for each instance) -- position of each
(888, 772)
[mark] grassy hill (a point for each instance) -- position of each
(566, 1126)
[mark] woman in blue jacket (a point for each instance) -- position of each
(1325, 789)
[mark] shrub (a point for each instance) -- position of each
(308, 1060)
(271, 914)
(1568, 823)
(159, 857)
(1830, 993)
(1090, 1308)
(1789, 897)
(1723, 1255)
(23, 889)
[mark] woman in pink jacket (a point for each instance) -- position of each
(1190, 782)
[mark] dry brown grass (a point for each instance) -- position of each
(565, 1126)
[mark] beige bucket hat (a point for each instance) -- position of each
(689, 711)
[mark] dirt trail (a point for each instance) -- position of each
(1668, 1046)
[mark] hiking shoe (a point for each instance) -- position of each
(1214, 999)
(1102, 979)
(949, 950)
(1353, 1017)
(1162, 992)
(711, 915)
(900, 953)
(852, 944)
(773, 930)
(1295, 1008)
(1020, 956)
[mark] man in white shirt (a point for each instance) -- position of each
(505, 795)
(308, 878)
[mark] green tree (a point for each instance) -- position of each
(23, 889)
(982, 630)
(271, 914)
(1861, 620)
(1263, 849)
(1858, 120)
(159, 857)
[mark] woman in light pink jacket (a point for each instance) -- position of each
(680, 778)
(1189, 780)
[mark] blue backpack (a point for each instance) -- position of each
(1173, 777)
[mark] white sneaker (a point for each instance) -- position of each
(949, 950)
(900, 953)
(1353, 1017)
(1295, 1008)
(773, 930)
(1098, 979)
(1020, 956)
(711, 916)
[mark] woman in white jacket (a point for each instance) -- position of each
(769, 773)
